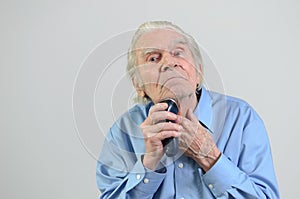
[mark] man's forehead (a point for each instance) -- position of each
(179, 41)
(173, 44)
(160, 38)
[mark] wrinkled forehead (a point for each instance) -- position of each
(163, 39)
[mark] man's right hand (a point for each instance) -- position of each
(155, 129)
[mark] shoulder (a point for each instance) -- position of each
(129, 122)
(234, 106)
(230, 100)
(137, 113)
(236, 121)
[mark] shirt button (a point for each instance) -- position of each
(146, 180)
(138, 176)
(211, 186)
(180, 165)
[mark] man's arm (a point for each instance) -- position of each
(121, 174)
(252, 176)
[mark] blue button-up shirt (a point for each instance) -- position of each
(244, 169)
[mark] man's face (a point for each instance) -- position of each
(165, 66)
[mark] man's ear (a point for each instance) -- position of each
(139, 89)
(199, 73)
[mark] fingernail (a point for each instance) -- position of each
(165, 105)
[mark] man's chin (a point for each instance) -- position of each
(181, 92)
(176, 92)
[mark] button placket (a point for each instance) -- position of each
(210, 186)
(180, 165)
(146, 180)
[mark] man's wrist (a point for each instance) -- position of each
(150, 163)
(206, 162)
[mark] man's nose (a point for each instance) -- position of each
(168, 62)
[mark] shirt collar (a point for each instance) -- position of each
(203, 110)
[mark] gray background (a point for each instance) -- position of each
(254, 45)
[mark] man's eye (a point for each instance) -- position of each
(153, 58)
(178, 53)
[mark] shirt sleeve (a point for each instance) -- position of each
(147, 187)
(253, 176)
(121, 174)
(138, 183)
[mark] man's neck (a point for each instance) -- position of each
(187, 102)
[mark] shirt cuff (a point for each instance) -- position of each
(143, 180)
(220, 177)
(150, 182)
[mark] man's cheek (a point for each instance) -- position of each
(150, 77)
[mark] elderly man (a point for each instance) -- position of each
(223, 148)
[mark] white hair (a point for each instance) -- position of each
(150, 26)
